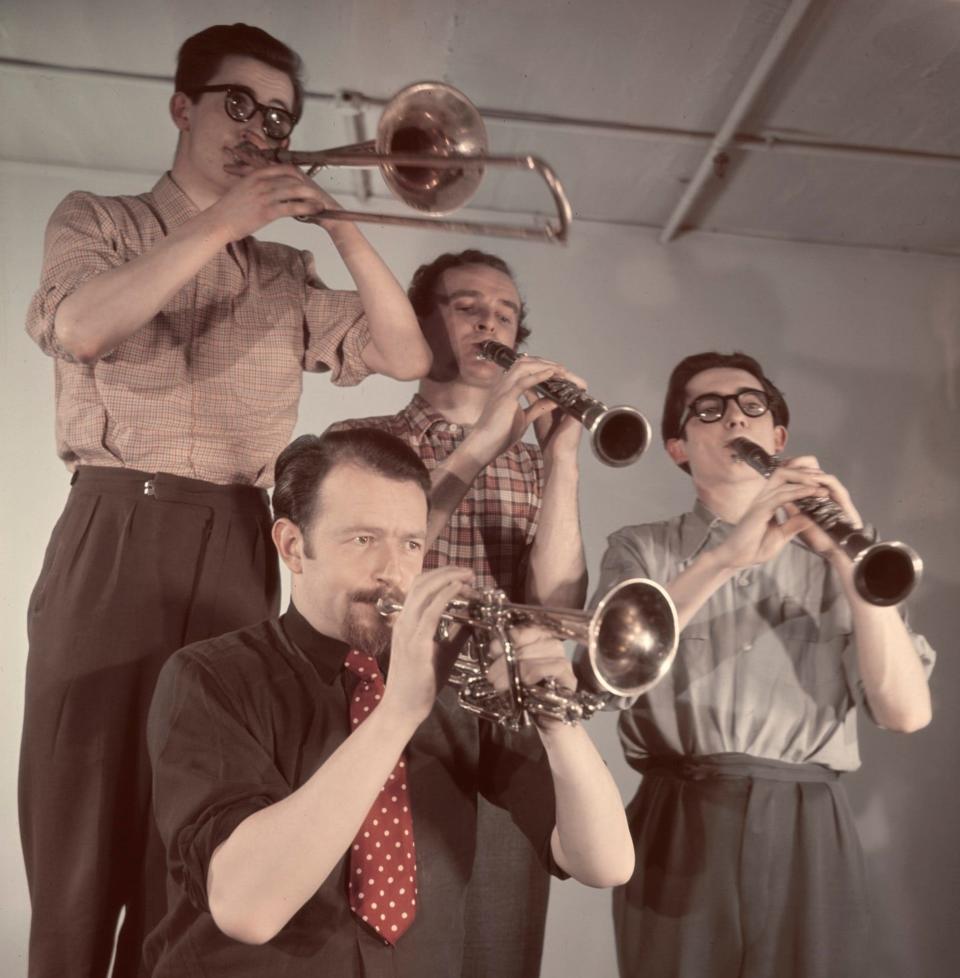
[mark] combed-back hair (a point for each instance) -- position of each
(423, 286)
(304, 464)
(201, 55)
(675, 402)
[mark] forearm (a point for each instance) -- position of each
(591, 840)
(557, 572)
(276, 859)
(111, 307)
(397, 347)
(693, 587)
(893, 677)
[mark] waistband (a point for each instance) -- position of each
(166, 487)
(698, 767)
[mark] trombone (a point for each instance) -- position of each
(630, 640)
(431, 149)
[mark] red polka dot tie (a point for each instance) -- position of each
(383, 857)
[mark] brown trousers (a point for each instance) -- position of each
(138, 565)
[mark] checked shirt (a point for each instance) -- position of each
(493, 528)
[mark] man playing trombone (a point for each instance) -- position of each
(179, 343)
(748, 861)
(508, 511)
(318, 819)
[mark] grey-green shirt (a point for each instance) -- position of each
(766, 667)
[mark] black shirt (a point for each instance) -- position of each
(239, 722)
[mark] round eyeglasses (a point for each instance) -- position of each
(712, 407)
(241, 105)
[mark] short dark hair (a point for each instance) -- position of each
(201, 55)
(675, 403)
(304, 464)
(423, 286)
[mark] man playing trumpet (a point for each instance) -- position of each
(504, 508)
(321, 820)
(748, 861)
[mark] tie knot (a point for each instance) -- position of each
(363, 666)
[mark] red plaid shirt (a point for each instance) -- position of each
(209, 388)
(493, 528)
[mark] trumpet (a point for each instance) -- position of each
(431, 149)
(884, 572)
(618, 435)
(631, 642)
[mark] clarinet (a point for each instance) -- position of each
(618, 435)
(884, 572)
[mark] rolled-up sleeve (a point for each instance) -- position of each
(82, 241)
(336, 330)
(209, 772)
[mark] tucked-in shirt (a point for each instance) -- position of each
(241, 721)
(768, 665)
(209, 388)
(493, 528)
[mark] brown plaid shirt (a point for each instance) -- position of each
(494, 526)
(209, 388)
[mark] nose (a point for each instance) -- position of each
(484, 319)
(253, 131)
(391, 570)
(734, 417)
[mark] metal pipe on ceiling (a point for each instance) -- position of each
(764, 141)
(741, 106)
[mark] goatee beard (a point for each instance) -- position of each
(363, 634)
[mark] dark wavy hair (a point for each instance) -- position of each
(675, 403)
(423, 286)
(201, 55)
(304, 464)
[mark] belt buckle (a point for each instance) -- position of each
(149, 488)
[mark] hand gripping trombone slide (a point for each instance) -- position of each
(884, 572)
(631, 641)
(618, 435)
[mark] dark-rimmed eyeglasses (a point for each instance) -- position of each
(710, 408)
(241, 105)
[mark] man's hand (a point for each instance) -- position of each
(540, 656)
(418, 666)
(758, 536)
(268, 192)
(828, 485)
(558, 432)
(504, 418)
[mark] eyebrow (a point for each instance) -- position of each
(739, 390)
(474, 294)
(383, 531)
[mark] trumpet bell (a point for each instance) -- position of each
(432, 119)
(633, 638)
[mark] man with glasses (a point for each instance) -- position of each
(179, 343)
(748, 861)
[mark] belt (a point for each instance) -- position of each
(698, 767)
(166, 487)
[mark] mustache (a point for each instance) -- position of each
(373, 595)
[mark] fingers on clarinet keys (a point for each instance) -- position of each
(884, 573)
(618, 435)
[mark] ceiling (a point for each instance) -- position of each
(852, 135)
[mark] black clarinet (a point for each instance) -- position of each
(618, 435)
(884, 572)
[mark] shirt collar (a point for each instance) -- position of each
(174, 206)
(422, 416)
(327, 654)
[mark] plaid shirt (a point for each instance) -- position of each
(493, 528)
(209, 388)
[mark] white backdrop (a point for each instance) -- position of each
(865, 345)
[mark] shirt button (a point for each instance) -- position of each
(454, 429)
(746, 648)
(743, 580)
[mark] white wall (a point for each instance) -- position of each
(866, 346)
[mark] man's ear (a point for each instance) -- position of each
(780, 438)
(288, 540)
(677, 450)
(180, 106)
